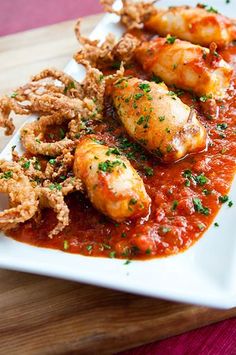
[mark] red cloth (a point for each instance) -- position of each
(19, 15)
(216, 339)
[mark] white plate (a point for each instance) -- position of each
(205, 274)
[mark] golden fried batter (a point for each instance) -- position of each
(133, 14)
(22, 196)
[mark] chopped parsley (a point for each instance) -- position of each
(204, 98)
(89, 247)
(52, 161)
(106, 246)
(171, 93)
(108, 165)
(123, 235)
(37, 165)
(156, 79)
(201, 179)
(223, 198)
(7, 175)
(148, 171)
(62, 133)
(145, 87)
(187, 173)
(127, 262)
(204, 54)
(97, 140)
(201, 226)
(206, 192)
(187, 183)
(212, 9)
(55, 187)
(26, 165)
(143, 120)
(174, 205)
(113, 151)
(70, 86)
(169, 148)
(14, 94)
(116, 65)
(230, 204)
(221, 126)
(65, 245)
(179, 92)
(138, 96)
(112, 254)
(133, 201)
(199, 207)
(170, 39)
(165, 229)
(216, 224)
(161, 118)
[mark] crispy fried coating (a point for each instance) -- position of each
(32, 137)
(91, 50)
(132, 14)
(22, 196)
(52, 198)
(53, 91)
(107, 52)
(59, 166)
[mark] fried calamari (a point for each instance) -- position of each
(108, 52)
(22, 196)
(132, 14)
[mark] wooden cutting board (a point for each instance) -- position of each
(41, 315)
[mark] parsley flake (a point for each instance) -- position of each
(170, 39)
(223, 198)
(145, 87)
(199, 207)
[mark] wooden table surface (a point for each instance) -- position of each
(41, 315)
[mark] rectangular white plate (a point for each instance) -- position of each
(205, 274)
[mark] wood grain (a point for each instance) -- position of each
(41, 315)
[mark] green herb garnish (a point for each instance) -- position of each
(199, 207)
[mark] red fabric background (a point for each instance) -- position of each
(20, 15)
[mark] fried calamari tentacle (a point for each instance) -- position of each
(71, 184)
(132, 14)
(91, 50)
(50, 197)
(60, 104)
(70, 86)
(32, 135)
(107, 52)
(60, 166)
(23, 199)
(94, 87)
(53, 91)
(32, 168)
(7, 105)
(124, 50)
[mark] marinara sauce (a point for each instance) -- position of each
(186, 195)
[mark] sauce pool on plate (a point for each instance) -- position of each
(186, 195)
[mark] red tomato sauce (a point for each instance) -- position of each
(186, 195)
